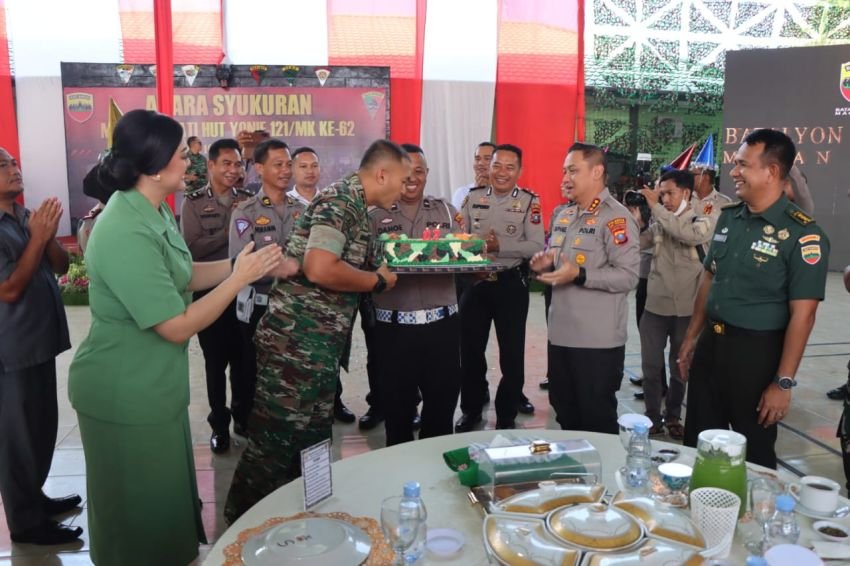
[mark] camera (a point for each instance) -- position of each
(634, 199)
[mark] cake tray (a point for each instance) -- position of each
(447, 269)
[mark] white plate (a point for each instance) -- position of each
(444, 542)
(805, 511)
(314, 541)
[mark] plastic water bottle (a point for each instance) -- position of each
(782, 527)
(413, 515)
(639, 459)
(756, 561)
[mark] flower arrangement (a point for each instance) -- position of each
(74, 285)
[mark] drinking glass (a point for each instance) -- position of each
(763, 492)
(400, 531)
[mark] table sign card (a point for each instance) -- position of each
(316, 471)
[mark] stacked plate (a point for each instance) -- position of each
(315, 541)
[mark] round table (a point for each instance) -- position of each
(361, 482)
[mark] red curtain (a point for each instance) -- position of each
(196, 24)
(539, 88)
(387, 33)
(8, 118)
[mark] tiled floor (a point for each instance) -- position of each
(807, 442)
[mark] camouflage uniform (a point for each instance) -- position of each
(299, 343)
(197, 166)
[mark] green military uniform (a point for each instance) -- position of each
(760, 263)
(130, 388)
(198, 167)
(299, 343)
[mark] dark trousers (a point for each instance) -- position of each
(249, 363)
(367, 324)
(547, 302)
(222, 348)
(640, 298)
(29, 417)
(583, 387)
(416, 358)
(655, 330)
(503, 302)
(729, 373)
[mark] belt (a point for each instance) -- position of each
(723, 328)
(261, 299)
(425, 316)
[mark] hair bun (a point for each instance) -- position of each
(116, 173)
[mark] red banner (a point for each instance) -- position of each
(338, 123)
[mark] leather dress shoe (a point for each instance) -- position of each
(636, 381)
(525, 407)
(500, 425)
(240, 430)
(467, 422)
(60, 505)
(220, 442)
(49, 532)
(343, 414)
(544, 385)
(639, 395)
(837, 394)
(370, 419)
(417, 421)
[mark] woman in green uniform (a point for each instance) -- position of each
(129, 381)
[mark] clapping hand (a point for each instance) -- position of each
(251, 266)
(44, 222)
(565, 273)
(543, 261)
(492, 242)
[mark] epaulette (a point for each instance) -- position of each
(735, 204)
(290, 201)
(477, 188)
(529, 191)
(247, 202)
(244, 192)
(798, 215)
(195, 194)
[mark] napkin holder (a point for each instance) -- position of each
(508, 470)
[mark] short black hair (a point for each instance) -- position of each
(487, 144)
(380, 150)
(219, 145)
(680, 178)
(413, 148)
(261, 152)
(304, 149)
(143, 143)
(778, 149)
(192, 139)
(509, 147)
(591, 153)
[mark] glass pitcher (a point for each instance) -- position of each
(721, 462)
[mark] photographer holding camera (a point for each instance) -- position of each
(677, 232)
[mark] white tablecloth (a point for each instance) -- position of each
(362, 482)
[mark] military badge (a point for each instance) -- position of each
(242, 225)
(124, 72)
(580, 259)
(590, 221)
(617, 227)
(809, 238)
(386, 221)
(290, 72)
(372, 100)
(459, 218)
(510, 229)
(322, 75)
(563, 220)
(594, 205)
(844, 81)
(706, 210)
(80, 106)
(765, 248)
(577, 241)
(811, 254)
(769, 230)
(190, 72)
(258, 72)
(783, 234)
(209, 208)
(535, 213)
(262, 220)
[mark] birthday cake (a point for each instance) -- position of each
(452, 249)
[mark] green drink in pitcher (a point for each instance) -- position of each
(721, 463)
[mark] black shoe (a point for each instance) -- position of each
(60, 505)
(240, 430)
(544, 385)
(417, 421)
(220, 442)
(467, 422)
(639, 395)
(343, 414)
(636, 381)
(48, 533)
(525, 407)
(370, 419)
(837, 394)
(505, 425)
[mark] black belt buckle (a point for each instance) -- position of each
(718, 328)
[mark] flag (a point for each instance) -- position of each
(112, 119)
(706, 158)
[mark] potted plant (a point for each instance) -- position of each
(74, 285)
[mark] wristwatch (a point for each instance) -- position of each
(380, 285)
(581, 277)
(785, 383)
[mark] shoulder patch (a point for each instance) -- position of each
(799, 216)
(809, 238)
(617, 227)
(242, 224)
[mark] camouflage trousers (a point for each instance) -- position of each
(297, 368)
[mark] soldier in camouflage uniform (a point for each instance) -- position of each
(302, 336)
(196, 173)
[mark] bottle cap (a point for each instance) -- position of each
(640, 428)
(785, 503)
(411, 489)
